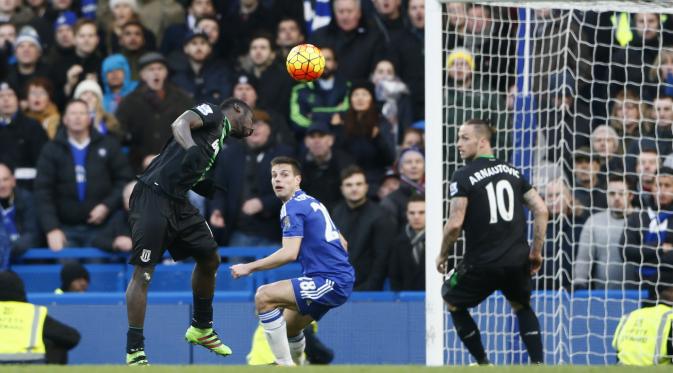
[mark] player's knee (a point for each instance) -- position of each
(210, 263)
(452, 308)
(262, 298)
(143, 275)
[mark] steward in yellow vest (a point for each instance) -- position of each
(21, 328)
(27, 333)
(644, 337)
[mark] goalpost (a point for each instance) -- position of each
(546, 74)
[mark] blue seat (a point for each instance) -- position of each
(47, 278)
(285, 272)
(178, 277)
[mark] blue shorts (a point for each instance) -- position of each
(317, 295)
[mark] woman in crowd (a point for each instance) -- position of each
(39, 104)
(366, 134)
(90, 92)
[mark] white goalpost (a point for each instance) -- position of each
(566, 84)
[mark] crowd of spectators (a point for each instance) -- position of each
(603, 105)
(89, 89)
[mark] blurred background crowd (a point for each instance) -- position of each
(602, 87)
(89, 89)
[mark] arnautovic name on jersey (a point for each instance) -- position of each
(490, 171)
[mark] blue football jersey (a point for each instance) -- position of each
(321, 252)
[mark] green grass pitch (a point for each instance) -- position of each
(326, 369)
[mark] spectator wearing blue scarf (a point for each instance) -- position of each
(79, 183)
(648, 242)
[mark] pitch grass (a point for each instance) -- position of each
(326, 369)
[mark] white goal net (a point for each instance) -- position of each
(581, 95)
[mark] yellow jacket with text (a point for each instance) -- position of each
(21, 326)
(641, 337)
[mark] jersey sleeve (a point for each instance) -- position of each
(210, 114)
(292, 220)
(525, 184)
(459, 186)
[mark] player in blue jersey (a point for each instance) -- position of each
(309, 235)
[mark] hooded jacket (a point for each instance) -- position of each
(110, 99)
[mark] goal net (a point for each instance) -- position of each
(581, 95)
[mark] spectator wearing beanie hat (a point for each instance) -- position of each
(64, 37)
(105, 123)
(146, 134)
(84, 63)
(411, 168)
(28, 51)
(74, 278)
(204, 77)
(133, 4)
(471, 97)
(245, 89)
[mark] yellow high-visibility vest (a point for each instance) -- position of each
(641, 336)
(21, 326)
(260, 353)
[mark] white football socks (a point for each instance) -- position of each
(297, 346)
(276, 334)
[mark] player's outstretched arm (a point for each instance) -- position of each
(540, 219)
(182, 128)
(286, 254)
(452, 230)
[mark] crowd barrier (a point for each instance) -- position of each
(372, 328)
(109, 271)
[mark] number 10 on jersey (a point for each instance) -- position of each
(496, 201)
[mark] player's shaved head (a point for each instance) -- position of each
(240, 116)
(474, 139)
(481, 128)
(296, 168)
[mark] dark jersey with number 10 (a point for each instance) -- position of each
(166, 172)
(495, 225)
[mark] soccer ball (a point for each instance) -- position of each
(305, 62)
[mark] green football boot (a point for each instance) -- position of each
(137, 358)
(207, 338)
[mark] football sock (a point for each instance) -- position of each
(529, 328)
(276, 334)
(134, 340)
(297, 345)
(203, 313)
(469, 333)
